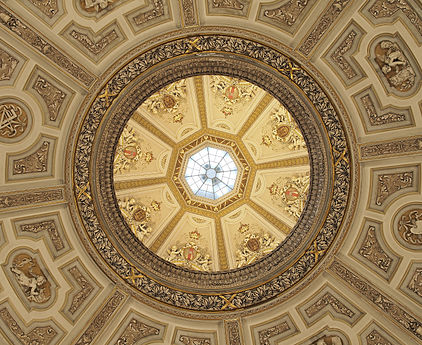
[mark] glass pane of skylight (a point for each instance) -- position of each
(211, 173)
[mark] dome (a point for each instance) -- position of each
(210, 172)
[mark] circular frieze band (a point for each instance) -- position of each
(152, 277)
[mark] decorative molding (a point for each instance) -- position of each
(50, 11)
(11, 64)
(239, 8)
(287, 15)
(322, 26)
(3, 238)
(96, 9)
(20, 333)
(407, 226)
(388, 184)
(387, 11)
(381, 301)
(189, 13)
(45, 48)
(36, 162)
(183, 336)
(137, 329)
(375, 335)
(102, 317)
(391, 148)
(327, 336)
(339, 55)
(48, 227)
(84, 289)
(30, 278)
(371, 250)
(154, 13)
(186, 298)
(329, 301)
(376, 117)
(54, 97)
(411, 284)
(273, 331)
(94, 45)
(31, 198)
(15, 120)
(395, 65)
(233, 330)
(188, 340)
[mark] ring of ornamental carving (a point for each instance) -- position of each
(154, 280)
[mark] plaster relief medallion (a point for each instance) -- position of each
(15, 121)
(30, 278)
(408, 226)
(398, 70)
(207, 177)
(394, 65)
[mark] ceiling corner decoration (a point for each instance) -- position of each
(295, 172)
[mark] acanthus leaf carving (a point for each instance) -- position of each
(388, 184)
(288, 12)
(52, 96)
(329, 300)
(35, 162)
(372, 251)
(415, 283)
(233, 4)
(156, 12)
(43, 46)
(324, 23)
(135, 331)
(40, 335)
(375, 338)
(266, 334)
(50, 227)
(380, 9)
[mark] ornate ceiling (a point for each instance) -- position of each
(209, 113)
(102, 103)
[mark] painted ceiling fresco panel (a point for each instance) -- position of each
(139, 154)
(248, 236)
(174, 109)
(275, 135)
(229, 102)
(282, 191)
(147, 210)
(191, 244)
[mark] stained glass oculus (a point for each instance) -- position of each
(211, 173)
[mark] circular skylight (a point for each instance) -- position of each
(211, 173)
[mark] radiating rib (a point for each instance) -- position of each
(283, 163)
(158, 242)
(199, 90)
(221, 247)
(262, 105)
(278, 224)
(122, 185)
(153, 129)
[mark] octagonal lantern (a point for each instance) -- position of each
(211, 173)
